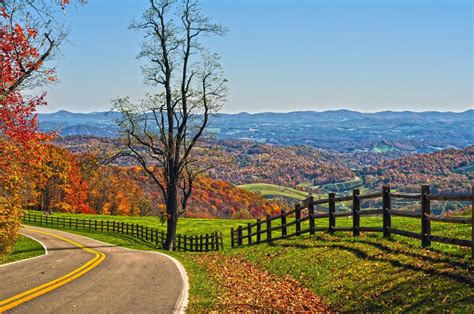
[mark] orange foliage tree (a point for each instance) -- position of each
(22, 55)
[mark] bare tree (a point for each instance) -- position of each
(162, 131)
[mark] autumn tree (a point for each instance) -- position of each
(162, 131)
(28, 37)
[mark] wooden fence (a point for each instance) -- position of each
(195, 243)
(275, 228)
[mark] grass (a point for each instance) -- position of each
(186, 226)
(369, 273)
(305, 184)
(272, 190)
(381, 148)
(342, 186)
(24, 248)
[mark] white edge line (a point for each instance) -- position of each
(183, 298)
(30, 258)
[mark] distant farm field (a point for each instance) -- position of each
(343, 186)
(272, 190)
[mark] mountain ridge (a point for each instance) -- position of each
(342, 129)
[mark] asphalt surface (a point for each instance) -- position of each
(126, 281)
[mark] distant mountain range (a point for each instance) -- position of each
(341, 130)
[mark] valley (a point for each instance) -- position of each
(247, 179)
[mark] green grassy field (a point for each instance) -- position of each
(24, 248)
(343, 186)
(186, 226)
(272, 190)
(381, 148)
(368, 273)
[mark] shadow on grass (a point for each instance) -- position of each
(457, 268)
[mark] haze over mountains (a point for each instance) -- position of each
(341, 130)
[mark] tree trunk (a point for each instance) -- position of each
(172, 222)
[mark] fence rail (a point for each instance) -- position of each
(265, 230)
(194, 243)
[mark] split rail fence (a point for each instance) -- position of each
(195, 243)
(276, 228)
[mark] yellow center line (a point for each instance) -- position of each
(56, 283)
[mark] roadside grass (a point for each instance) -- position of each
(186, 226)
(272, 190)
(369, 273)
(24, 248)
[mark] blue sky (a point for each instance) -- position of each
(288, 55)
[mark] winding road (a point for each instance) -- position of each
(82, 275)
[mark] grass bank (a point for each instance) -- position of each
(24, 248)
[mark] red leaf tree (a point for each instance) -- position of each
(27, 39)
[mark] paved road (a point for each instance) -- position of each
(98, 278)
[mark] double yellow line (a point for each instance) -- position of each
(45, 288)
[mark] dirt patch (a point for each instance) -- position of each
(249, 288)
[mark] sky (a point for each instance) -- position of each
(287, 55)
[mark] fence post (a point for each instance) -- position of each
(311, 214)
(232, 237)
(269, 228)
(387, 219)
(259, 229)
(215, 239)
(222, 240)
(332, 211)
(283, 223)
(425, 212)
(207, 242)
(298, 219)
(239, 236)
(201, 243)
(249, 232)
(355, 212)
